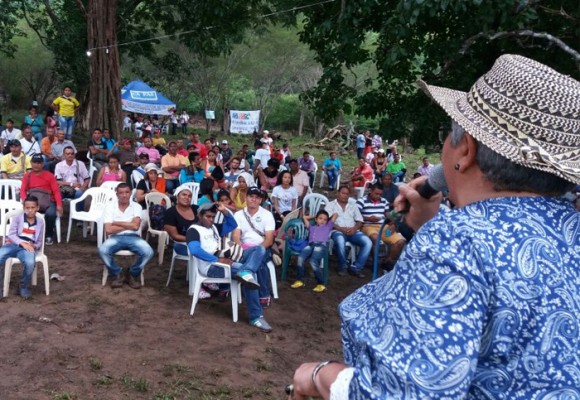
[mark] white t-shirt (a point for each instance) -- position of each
(263, 221)
(264, 156)
(15, 134)
(285, 197)
(30, 148)
(113, 213)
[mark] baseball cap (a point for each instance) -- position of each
(254, 191)
(224, 141)
(37, 158)
(266, 132)
(14, 142)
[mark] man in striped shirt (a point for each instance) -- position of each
(374, 209)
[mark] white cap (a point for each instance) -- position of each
(266, 132)
(224, 141)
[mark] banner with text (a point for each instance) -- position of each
(244, 121)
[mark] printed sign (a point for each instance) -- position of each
(245, 122)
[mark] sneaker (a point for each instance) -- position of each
(204, 294)
(212, 287)
(265, 302)
(48, 241)
(297, 285)
(133, 282)
(358, 274)
(117, 281)
(341, 272)
(247, 279)
(319, 288)
(25, 293)
(261, 324)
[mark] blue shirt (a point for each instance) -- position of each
(483, 303)
(360, 141)
(329, 162)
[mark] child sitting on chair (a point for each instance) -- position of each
(316, 250)
(22, 241)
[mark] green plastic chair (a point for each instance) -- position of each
(295, 229)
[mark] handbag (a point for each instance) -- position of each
(41, 195)
(227, 248)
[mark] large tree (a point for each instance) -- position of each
(445, 42)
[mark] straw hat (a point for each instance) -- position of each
(522, 110)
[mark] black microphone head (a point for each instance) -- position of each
(437, 179)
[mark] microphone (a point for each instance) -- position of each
(434, 184)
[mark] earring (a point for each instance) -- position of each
(456, 167)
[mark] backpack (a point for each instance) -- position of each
(157, 216)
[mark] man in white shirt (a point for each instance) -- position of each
(122, 225)
(255, 233)
(347, 228)
(9, 133)
(72, 177)
(29, 144)
(262, 155)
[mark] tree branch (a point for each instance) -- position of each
(82, 8)
(51, 13)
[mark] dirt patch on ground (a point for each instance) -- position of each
(86, 341)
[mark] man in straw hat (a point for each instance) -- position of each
(483, 302)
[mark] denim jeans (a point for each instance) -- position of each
(80, 205)
(50, 218)
(67, 124)
(180, 249)
(27, 258)
(358, 239)
(316, 253)
(332, 175)
(255, 260)
(360, 152)
(399, 176)
(131, 242)
(171, 185)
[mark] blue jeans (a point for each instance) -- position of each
(171, 185)
(399, 176)
(50, 218)
(316, 253)
(67, 124)
(255, 260)
(252, 296)
(180, 249)
(131, 242)
(358, 239)
(360, 152)
(27, 258)
(332, 175)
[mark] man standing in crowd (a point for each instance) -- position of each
(122, 225)
(360, 145)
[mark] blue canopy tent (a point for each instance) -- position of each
(140, 98)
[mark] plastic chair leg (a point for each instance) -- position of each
(46, 277)
(57, 228)
(171, 271)
(272, 269)
(105, 275)
(7, 273)
(161, 248)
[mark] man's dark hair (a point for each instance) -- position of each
(121, 186)
(68, 148)
(33, 199)
(375, 185)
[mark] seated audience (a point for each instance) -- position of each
(425, 168)
(127, 158)
(151, 183)
(57, 149)
(172, 164)
(29, 144)
(72, 177)
(14, 164)
(96, 147)
(332, 167)
(361, 174)
(397, 168)
(269, 176)
(192, 172)
(390, 190)
(206, 192)
(111, 172)
(240, 189)
(151, 151)
(307, 164)
(284, 197)
(45, 145)
(179, 218)
(379, 164)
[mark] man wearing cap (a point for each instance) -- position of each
(42, 180)
(122, 226)
(255, 233)
(28, 142)
(151, 151)
(307, 164)
(483, 302)
(332, 168)
(72, 176)
(172, 164)
(226, 152)
(9, 133)
(14, 164)
(262, 155)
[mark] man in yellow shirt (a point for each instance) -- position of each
(172, 163)
(66, 107)
(14, 164)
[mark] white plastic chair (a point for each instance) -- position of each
(273, 281)
(5, 207)
(174, 257)
(39, 258)
(111, 185)
(323, 176)
(162, 236)
(100, 198)
(360, 191)
(136, 177)
(10, 189)
(194, 188)
(123, 253)
(196, 279)
(313, 202)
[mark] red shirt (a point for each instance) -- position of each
(44, 180)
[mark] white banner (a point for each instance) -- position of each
(244, 121)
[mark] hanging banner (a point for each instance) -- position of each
(244, 122)
(209, 114)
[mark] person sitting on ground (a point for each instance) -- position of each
(97, 149)
(240, 189)
(362, 174)
(379, 164)
(151, 183)
(307, 164)
(347, 230)
(111, 172)
(57, 149)
(72, 177)
(255, 233)
(29, 144)
(14, 164)
(316, 250)
(332, 167)
(397, 168)
(426, 167)
(284, 197)
(122, 222)
(151, 151)
(374, 210)
(390, 190)
(23, 240)
(38, 180)
(172, 164)
(269, 176)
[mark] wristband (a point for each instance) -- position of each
(317, 369)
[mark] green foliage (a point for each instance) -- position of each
(285, 113)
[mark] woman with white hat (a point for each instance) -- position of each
(483, 302)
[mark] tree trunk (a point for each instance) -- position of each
(104, 107)
(301, 123)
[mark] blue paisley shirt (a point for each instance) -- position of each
(484, 303)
